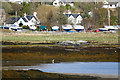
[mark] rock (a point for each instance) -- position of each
(82, 42)
(72, 43)
(67, 43)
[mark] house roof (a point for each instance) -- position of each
(111, 3)
(29, 17)
(24, 19)
(12, 20)
(74, 15)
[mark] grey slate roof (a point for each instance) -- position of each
(74, 15)
(24, 19)
(12, 20)
(111, 3)
(29, 17)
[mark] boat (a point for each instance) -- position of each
(33, 28)
(109, 28)
(55, 28)
(1, 27)
(103, 29)
(67, 27)
(15, 28)
(78, 28)
(43, 28)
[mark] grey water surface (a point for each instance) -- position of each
(108, 68)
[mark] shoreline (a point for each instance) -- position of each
(90, 74)
(52, 75)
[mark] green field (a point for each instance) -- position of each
(107, 38)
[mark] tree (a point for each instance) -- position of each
(17, 7)
(62, 19)
(50, 19)
(27, 8)
(47, 15)
(7, 7)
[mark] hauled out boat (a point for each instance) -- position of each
(15, 28)
(67, 27)
(55, 28)
(78, 28)
(109, 28)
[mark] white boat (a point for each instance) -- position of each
(103, 29)
(78, 28)
(15, 28)
(33, 28)
(55, 28)
(109, 28)
(67, 27)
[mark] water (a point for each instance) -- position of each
(108, 68)
(83, 67)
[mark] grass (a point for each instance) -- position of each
(107, 38)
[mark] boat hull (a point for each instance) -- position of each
(79, 30)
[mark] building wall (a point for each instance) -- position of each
(73, 20)
(78, 19)
(19, 21)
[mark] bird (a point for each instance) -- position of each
(53, 61)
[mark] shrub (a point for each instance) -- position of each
(25, 27)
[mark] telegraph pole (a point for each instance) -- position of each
(108, 16)
(118, 13)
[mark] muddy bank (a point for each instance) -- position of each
(61, 43)
(39, 75)
(23, 43)
(39, 54)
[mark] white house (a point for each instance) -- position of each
(74, 18)
(58, 3)
(62, 3)
(110, 5)
(28, 20)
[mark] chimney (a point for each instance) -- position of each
(25, 14)
(78, 12)
(35, 14)
(69, 12)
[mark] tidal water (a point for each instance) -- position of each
(107, 68)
